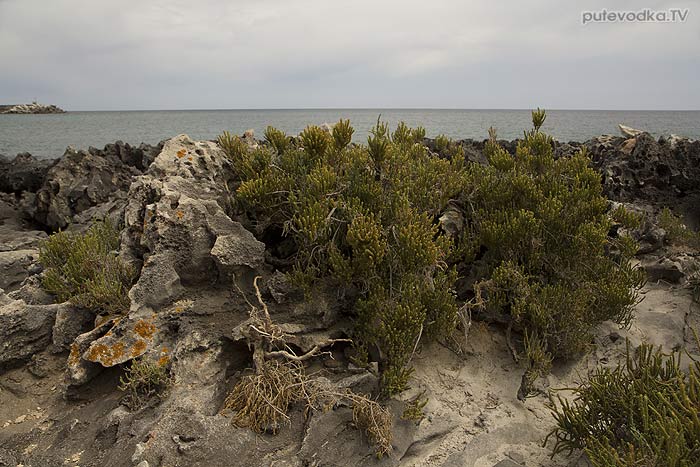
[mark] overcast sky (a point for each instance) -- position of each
(206, 54)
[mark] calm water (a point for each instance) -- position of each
(47, 136)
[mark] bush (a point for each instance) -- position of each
(538, 232)
(644, 412)
(144, 381)
(364, 215)
(676, 231)
(84, 269)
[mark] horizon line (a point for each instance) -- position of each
(371, 108)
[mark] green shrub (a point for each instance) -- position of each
(645, 412)
(84, 269)
(537, 229)
(277, 139)
(144, 381)
(676, 231)
(365, 216)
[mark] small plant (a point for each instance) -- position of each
(642, 413)
(676, 231)
(414, 408)
(233, 145)
(144, 381)
(85, 269)
(277, 139)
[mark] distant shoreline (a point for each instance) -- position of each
(30, 109)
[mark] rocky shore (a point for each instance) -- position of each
(59, 371)
(33, 108)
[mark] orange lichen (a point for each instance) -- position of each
(181, 153)
(163, 360)
(74, 356)
(105, 354)
(190, 158)
(139, 348)
(145, 329)
(180, 214)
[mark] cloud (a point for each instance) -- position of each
(131, 54)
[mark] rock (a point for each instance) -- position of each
(325, 428)
(139, 157)
(23, 173)
(236, 249)
(15, 234)
(78, 182)
(507, 463)
(78, 369)
(32, 108)
(70, 323)
(15, 266)
(174, 219)
(663, 269)
(249, 139)
(24, 329)
(452, 221)
(653, 172)
(628, 146)
(629, 131)
(31, 292)
(159, 283)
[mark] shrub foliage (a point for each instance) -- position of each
(84, 269)
(363, 215)
(644, 412)
(144, 381)
(537, 235)
(538, 230)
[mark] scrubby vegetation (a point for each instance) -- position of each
(645, 412)
(85, 269)
(538, 233)
(676, 231)
(363, 215)
(537, 237)
(144, 381)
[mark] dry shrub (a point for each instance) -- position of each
(261, 401)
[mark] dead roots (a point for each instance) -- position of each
(261, 401)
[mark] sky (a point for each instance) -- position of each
(243, 54)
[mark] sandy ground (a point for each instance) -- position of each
(473, 417)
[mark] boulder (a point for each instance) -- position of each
(77, 182)
(15, 266)
(23, 173)
(177, 225)
(70, 323)
(24, 329)
(629, 131)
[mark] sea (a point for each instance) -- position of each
(47, 136)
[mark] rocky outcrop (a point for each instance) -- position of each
(32, 108)
(77, 184)
(175, 205)
(24, 329)
(663, 172)
(23, 173)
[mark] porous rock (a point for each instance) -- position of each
(24, 329)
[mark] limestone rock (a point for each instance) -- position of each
(23, 173)
(24, 329)
(629, 131)
(15, 266)
(77, 182)
(70, 323)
